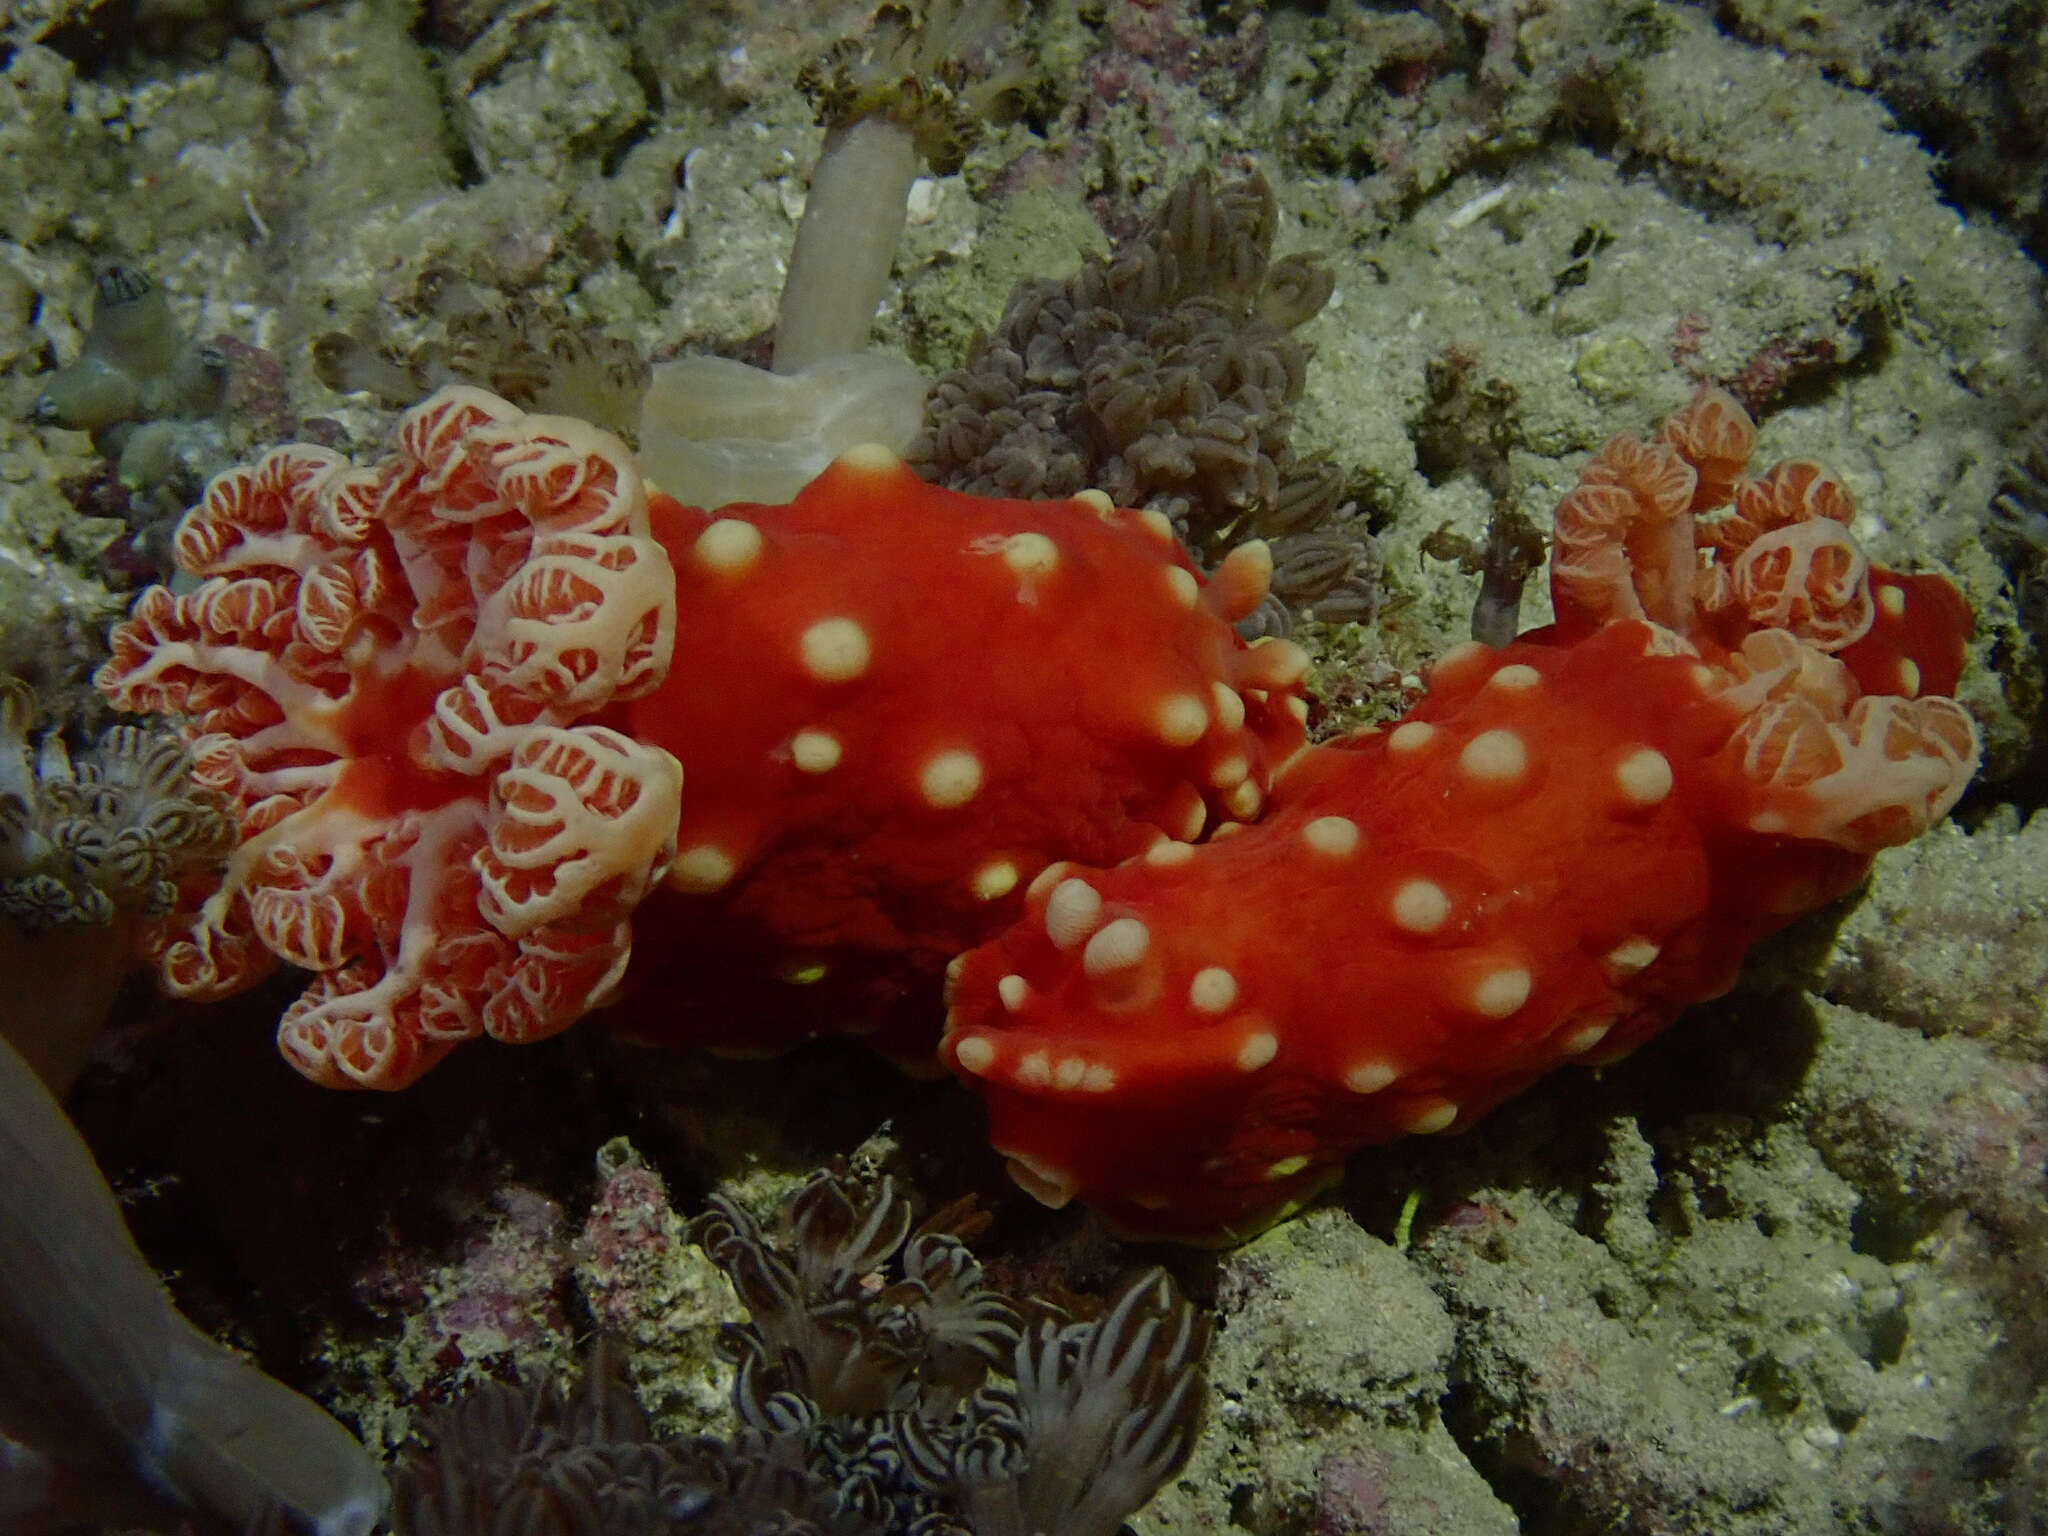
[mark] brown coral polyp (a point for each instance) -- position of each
(1166, 376)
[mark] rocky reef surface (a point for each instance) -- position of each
(1779, 1272)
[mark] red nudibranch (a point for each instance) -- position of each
(487, 708)
(478, 704)
(1564, 844)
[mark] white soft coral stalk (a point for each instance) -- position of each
(713, 431)
(845, 242)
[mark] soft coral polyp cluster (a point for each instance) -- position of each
(490, 707)
(1568, 841)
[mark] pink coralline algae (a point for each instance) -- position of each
(500, 1297)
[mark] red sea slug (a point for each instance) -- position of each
(1568, 841)
(489, 707)
(478, 703)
